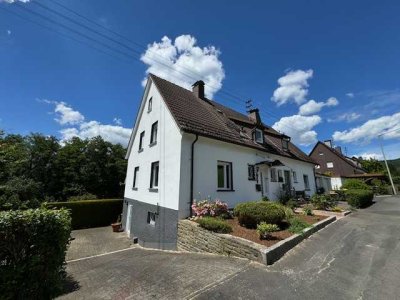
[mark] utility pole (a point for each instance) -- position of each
(387, 167)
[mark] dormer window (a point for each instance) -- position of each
(285, 143)
(258, 136)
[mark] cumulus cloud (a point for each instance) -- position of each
(117, 121)
(299, 128)
(12, 1)
(183, 62)
(8, 32)
(312, 107)
(66, 115)
(347, 117)
(350, 95)
(367, 155)
(385, 126)
(292, 87)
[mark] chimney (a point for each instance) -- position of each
(254, 115)
(328, 143)
(198, 89)
(338, 149)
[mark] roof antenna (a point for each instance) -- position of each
(249, 105)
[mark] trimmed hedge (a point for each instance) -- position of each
(91, 213)
(214, 224)
(250, 214)
(33, 244)
(355, 184)
(359, 198)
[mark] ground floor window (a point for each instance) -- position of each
(280, 176)
(224, 175)
(306, 182)
(151, 218)
(274, 177)
(251, 172)
(294, 177)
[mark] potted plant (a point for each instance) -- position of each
(117, 226)
(264, 230)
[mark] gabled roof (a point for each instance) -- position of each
(344, 158)
(211, 119)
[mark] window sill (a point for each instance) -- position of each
(152, 190)
(251, 179)
(140, 150)
(149, 110)
(134, 189)
(153, 144)
(225, 190)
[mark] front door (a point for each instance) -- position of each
(128, 220)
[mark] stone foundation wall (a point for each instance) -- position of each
(193, 238)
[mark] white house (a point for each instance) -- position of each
(184, 147)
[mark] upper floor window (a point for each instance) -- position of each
(258, 136)
(155, 166)
(150, 105)
(154, 129)
(321, 153)
(251, 172)
(285, 144)
(141, 141)
(329, 165)
(224, 175)
(306, 182)
(274, 177)
(135, 178)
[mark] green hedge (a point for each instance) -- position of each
(359, 198)
(91, 213)
(33, 244)
(250, 214)
(215, 224)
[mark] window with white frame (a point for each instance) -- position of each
(294, 177)
(141, 141)
(135, 178)
(251, 172)
(153, 137)
(285, 145)
(258, 136)
(329, 165)
(280, 176)
(150, 105)
(274, 177)
(155, 166)
(224, 175)
(151, 218)
(306, 182)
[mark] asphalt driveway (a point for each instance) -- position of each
(357, 257)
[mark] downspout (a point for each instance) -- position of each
(191, 174)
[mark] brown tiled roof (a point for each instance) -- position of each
(214, 120)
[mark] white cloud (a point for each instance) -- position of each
(8, 32)
(347, 117)
(12, 1)
(299, 128)
(66, 115)
(117, 121)
(169, 60)
(385, 125)
(369, 155)
(350, 95)
(292, 87)
(312, 107)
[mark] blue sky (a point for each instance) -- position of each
(343, 55)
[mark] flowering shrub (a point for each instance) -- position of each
(212, 209)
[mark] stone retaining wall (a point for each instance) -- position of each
(193, 238)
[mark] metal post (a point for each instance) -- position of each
(387, 167)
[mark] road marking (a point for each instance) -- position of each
(103, 254)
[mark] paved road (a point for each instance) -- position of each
(357, 257)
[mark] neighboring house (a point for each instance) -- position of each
(333, 163)
(184, 147)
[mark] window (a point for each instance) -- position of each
(321, 153)
(150, 105)
(294, 177)
(273, 175)
(258, 136)
(285, 144)
(317, 166)
(224, 174)
(329, 165)
(141, 141)
(154, 175)
(306, 182)
(151, 218)
(280, 176)
(251, 172)
(135, 178)
(153, 138)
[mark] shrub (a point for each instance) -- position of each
(307, 210)
(337, 209)
(265, 198)
(292, 204)
(264, 229)
(359, 198)
(297, 225)
(33, 244)
(214, 224)
(250, 214)
(86, 196)
(206, 208)
(283, 197)
(288, 213)
(323, 202)
(355, 184)
(90, 213)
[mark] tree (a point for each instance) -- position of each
(372, 165)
